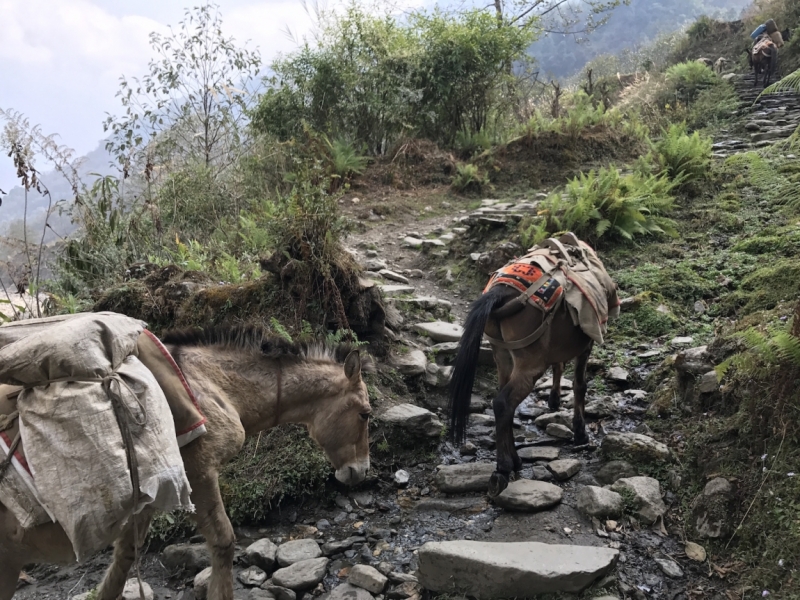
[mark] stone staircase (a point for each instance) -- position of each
(767, 119)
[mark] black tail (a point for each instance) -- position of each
(467, 360)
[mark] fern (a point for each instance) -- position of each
(772, 179)
(764, 350)
(606, 203)
(790, 83)
(280, 330)
(686, 158)
(468, 177)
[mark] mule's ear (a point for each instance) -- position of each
(352, 366)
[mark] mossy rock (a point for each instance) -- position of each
(766, 288)
(646, 320)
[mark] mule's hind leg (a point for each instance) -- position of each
(505, 366)
(214, 524)
(579, 388)
(124, 554)
(554, 400)
(10, 568)
(505, 405)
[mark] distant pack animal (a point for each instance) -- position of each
(707, 62)
(540, 310)
(763, 56)
(245, 382)
(719, 65)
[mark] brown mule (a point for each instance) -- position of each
(244, 383)
(518, 369)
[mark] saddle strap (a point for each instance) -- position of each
(528, 340)
(513, 306)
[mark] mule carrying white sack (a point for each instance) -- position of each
(74, 372)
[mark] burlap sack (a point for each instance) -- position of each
(72, 371)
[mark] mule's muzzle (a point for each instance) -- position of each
(353, 473)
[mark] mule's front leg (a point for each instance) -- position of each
(124, 554)
(554, 400)
(504, 441)
(214, 524)
(579, 388)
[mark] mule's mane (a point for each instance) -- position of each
(257, 339)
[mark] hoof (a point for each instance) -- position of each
(497, 483)
(554, 403)
(580, 440)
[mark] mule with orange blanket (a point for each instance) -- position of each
(540, 310)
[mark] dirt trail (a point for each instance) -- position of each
(385, 524)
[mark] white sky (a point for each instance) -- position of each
(60, 60)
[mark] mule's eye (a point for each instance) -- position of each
(365, 416)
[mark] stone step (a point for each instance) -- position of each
(511, 569)
(396, 290)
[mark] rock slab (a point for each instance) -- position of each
(514, 569)
(534, 453)
(301, 576)
(565, 468)
(368, 578)
(296, 551)
(261, 554)
(468, 477)
(646, 496)
(345, 591)
(440, 331)
(635, 446)
(599, 502)
(525, 495)
(413, 418)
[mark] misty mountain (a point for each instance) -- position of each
(561, 56)
(12, 210)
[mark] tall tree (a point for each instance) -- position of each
(191, 105)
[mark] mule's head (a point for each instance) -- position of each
(341, 427)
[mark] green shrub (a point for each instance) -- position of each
(606, 203)
(468, 177)
(700, 28)
(344, 161)
(688, 79)
(713, 106)
(685, 158)
(468, 144)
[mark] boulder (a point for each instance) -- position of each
(189, 557)
(645, 494)
(414, 419)
(712, 509)
(368, 578)
(468, 477)
(597, 409)
(410, 364)
(252, 577)
(563, 417)
(412, 242)
(557, 430)
(565, 468)
(301, 576)
(635, 447)
(201, 581)
(514, 569)
(613, 470)
(525, 495)
(346, 591)
(617, 375)
(131, 590)
(440, 331)
(534, 453)
(296, 551)
(489, 262)
(599, 502)
(279, 593)
(437, 376)
(261, 554)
